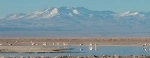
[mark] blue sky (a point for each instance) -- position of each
(26, 6)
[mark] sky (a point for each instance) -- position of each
(26, 6)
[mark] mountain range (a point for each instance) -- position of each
(76, 19)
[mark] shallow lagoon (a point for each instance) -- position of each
(86, 51)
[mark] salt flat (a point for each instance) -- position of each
(74, 41)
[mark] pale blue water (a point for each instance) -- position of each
(101, 50)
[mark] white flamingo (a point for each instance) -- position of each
(10, 44)
(145, 44)
(80, 47)
(53, 43)
(81, 44)
(44, 44)
(96, 47)
(91, 47)
(16, 41)
(65, 45)
(33, 43)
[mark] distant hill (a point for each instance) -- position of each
(76, 19)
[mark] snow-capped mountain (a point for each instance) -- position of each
(59, 12)
(77, 19)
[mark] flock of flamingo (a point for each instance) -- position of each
(65, 45)
(91, 46)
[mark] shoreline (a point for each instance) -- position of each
(90, 56)
(76, 41)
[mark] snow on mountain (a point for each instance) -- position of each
(53, 13)
(61, 11)
(131, 13)
(72, 11)
(77, 18)
(47, 13)
(75, 11)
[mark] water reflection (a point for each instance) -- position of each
(146, 48)
(81, 49)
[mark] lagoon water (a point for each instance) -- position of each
(99, 50)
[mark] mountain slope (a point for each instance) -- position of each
(77, 19)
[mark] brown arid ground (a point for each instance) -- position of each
(75, 41)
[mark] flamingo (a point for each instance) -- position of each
(80, 47)
(33, 43)
(91, 46)
(65, 45)
(10, 44)
(96, 46)
(44, 44)
(81, 44)
(53, 43)
(144, 44)
(16, 41)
